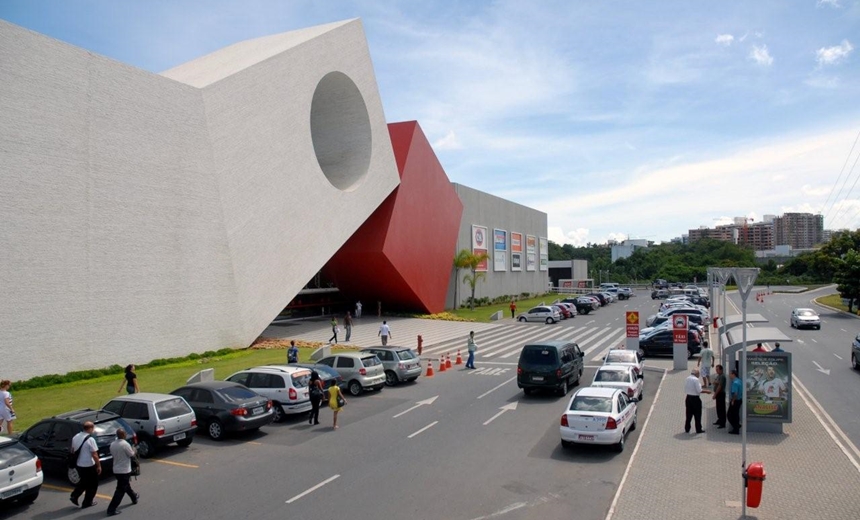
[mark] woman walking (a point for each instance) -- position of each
(7, 413)
(130, 381)
(335, 402)
(316, 395)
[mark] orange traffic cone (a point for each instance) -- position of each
(442, 364)
(459, 359)
(429, 369)
(448, 360)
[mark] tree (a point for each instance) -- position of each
(465, 259)
(847, 275)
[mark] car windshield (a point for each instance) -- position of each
(13, 454)
(301, 379)
(172, 408)
(583, 403)
(406, 354)
(612, 376)
(806, 312)
(235, 394)
(621, 357)
(370, 361)
(538, 356)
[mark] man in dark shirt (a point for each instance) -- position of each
(720, 397)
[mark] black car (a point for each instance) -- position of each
(50, 439)
(660, 343)
(600, 297)
(223, 406)
(701, 300)
(582, 305)
(556, 365)
(659, 294)
(328, 376)
(660, 284)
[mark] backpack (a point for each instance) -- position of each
(72, 457)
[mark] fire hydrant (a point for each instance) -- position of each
(754, 477)
(420, 344)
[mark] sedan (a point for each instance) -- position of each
(659, 342)
(22, 472)
(598, 416)
(623, 378)
(801, 318)
(659, 294)
(563, 311)
(544, 313)
(223, 406)
(627, 358)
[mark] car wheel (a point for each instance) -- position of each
(791, 324)
(818, 327)
(186, 442)
(390, 378)
(73, 476)
(215, 430)
(855, 364)
(548, 321)
(527, 391)
(355, 388)
(566, 445)
(619, 446)
(145, 448)
(522, 319)
(563, 389)
(635, 418)
(689, 353)
(278, 414)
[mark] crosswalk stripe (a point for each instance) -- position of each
(519, 341)
(452, 343)
(609, 337)
(577, 340)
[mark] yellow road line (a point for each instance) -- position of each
(255, 443)
(180, 464)
(69, 490)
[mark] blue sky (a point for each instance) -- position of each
(639, 119)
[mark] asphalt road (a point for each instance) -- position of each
(821, 359)
(480, 449)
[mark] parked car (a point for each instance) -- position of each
(563, 311)
(660, 284)
(660, 342)
(555, 365)
(801, 318)
(658, 320)
(50, 439)
(600, 297)
(598, 416)
(285, 385)
(610, 297)
(624, 378)
(855, 352)
(400, 363)
(361, 370)
(328, 376)
(544, 313)
(223, 407)
(21, 471)
(659, 294)
(158, 420)
(571, 308)
(583, 305)
(626, 358)
(624, 293)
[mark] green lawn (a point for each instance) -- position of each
(833, 300)
(482, 314)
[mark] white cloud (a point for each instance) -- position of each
(577, 237)
(725, 39)
(833, 55)
(760, 55)
(815, 191)
(828, 3)
(449, 142)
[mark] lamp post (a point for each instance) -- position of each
(745, 278)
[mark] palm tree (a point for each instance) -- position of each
(465, 259)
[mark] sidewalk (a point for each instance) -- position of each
(675, 475)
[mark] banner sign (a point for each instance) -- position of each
(768, 387)
(544, 254)
(531, 243)
(500, 250)
(530, 261)
(516, 261)
(516, 251)
(633, 324)
(679, 329)
(479, 244)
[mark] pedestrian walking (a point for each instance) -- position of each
(720, 397)
(293, 352)
(777, 348)
(513, 308)
(472, 347)
(129, 381)
(88, 465)
(693, 401)
(384, 333)
(736, 401)
(7, 412)
(122, 453)
(358, 309)
(706, 363)
(336, 402)
(347, 324)
(334, 330)
(316, 395)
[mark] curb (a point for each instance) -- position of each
(835, 309)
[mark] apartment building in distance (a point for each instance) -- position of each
(798, 230)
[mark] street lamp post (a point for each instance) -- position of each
(745, 278)
(722, 277)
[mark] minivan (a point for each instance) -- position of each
(360, 370)
(285, 385)
(400, 363)
(158, 420)
(556, 365)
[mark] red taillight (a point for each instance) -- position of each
(134, 439)
(564, 420)
(362, 371)
(293, 394)
(159, 430)
(238, 411)
(38, 464)
(194, 422)
(558, 373)
(629, 392)
(519, 371)
(269, 404)
(611, 424)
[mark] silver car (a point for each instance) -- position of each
(360, 370)
(801, 318)
(543, 313)
(400, 363)
(157, 419)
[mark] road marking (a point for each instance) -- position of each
(504, 511)
(432, 424)
(837, 355)
(311, 490)
(69, 490)
(180, 464)
(843, 330)
(478, 370)
(813, 340)
(503, 409)
(418, 404)
(801, 341)
(806, 395)
(825, 371)
(488, 392)
(255, 443)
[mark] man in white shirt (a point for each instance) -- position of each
(384, 333)
(88, 465)
(122, 453)
(706, 363)
(693, 402)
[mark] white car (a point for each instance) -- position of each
(624, 378)
(598, 416)
(805, 318)
(544, 313)
(285, 385)
(21, 470)
(626, 358)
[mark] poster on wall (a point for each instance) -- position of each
(531, 242)
(531, 252)
(530, 261)
(544, 254)
(479, 244)
(500, 250)
(769, 386)
(516, 251)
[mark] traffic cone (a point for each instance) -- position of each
(447, 360)
(429, 368)
(459, 359)
(442, 364)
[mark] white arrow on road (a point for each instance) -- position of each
(417, 405)
(512, 406)
(825, 371)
